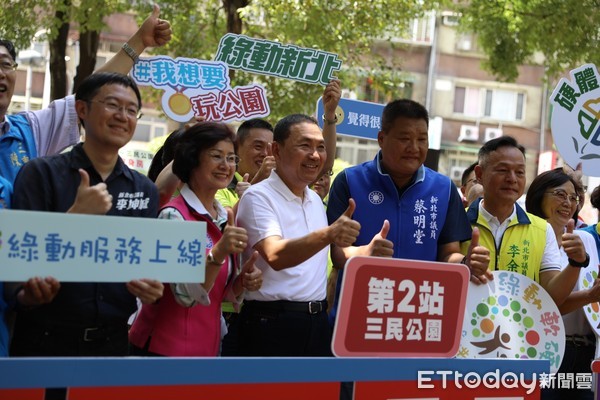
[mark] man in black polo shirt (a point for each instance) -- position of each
(87, 319)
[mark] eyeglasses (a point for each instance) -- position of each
(474, 180)
(564, 196)
(328, 173)
(7, 66)
(219, 158)
(113, 107)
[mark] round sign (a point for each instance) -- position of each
(592, 310)
(575, 118)
(512, 317)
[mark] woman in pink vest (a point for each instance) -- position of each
(186, 321)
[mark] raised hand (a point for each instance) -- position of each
(344, 231)
(233, 241)
(380, 246)
(478, 259)
(91, 199)
(331, 98)
(154, 31)
(242, 186)
(268, 164)
(251, 275)
(572, 244)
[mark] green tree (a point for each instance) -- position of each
(21, 19)
(510, 32)
(344, 27)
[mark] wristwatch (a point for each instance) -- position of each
(330, 121)
(576, 264)
(210, 259)
(130, 52)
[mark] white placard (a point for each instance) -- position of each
(92, 248)
(575, 116)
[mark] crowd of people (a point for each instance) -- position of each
(271, 238)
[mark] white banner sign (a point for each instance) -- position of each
(92, 248)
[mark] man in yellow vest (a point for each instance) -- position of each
(518, 241)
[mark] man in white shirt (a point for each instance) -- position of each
(286, 224)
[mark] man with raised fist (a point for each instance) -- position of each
(286, 224)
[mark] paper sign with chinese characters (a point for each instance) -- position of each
(137, 159)
(100, 248)
(575, 116)
(361, 119)
(512, 317)
(200, 88)
(400, 308)
(282, 60)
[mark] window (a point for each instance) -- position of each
(498, 104)
(466, 101)
(504, 105)
(356, 151)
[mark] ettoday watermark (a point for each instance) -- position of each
(508, 380)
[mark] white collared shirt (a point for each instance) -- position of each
(191, 198)
(269, 208)
(551, 255)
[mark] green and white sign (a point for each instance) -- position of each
(282, 60)
(575, 116)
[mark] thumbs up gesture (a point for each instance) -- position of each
(91, 199)
(344, 231)
(380, 246)
(242, 186)
(233, 241)
(268, 164)
(478, 260)
(572, 244)
(154, 31)
(251, 275)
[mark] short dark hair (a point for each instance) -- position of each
(595, 198)
(540, 185)
(10, 47)
(164, 155)
(402, 108)
(91, 85)
(283, 128)
(256, 123)
(193, 141)
(466, 172)
(495, 144)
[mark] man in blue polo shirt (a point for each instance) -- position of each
(405, 209)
